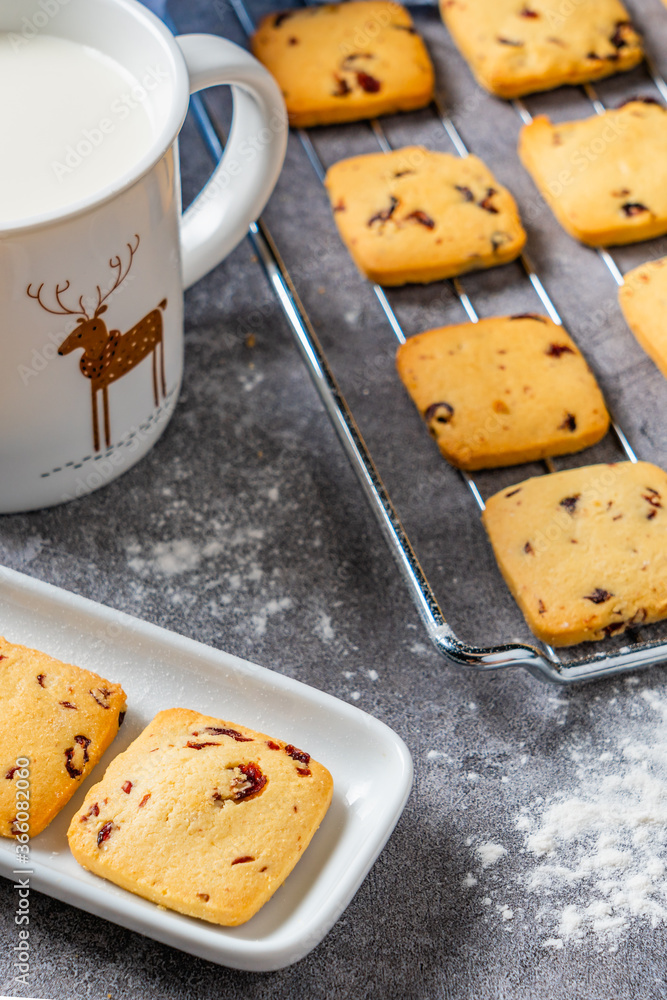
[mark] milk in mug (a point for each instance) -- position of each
(72, 121)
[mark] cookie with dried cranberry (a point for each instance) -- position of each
(413, 215)
(347, 61)
(643, 299)
(602, 176)
(516, 48)
(583, 551)
(59, 719)
(505, 390)
(202, 816)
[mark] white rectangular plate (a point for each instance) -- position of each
(370, 764)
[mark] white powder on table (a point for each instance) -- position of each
(489, 853)
(594, 856)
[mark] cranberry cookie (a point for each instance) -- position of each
(583, 551)
(516, 48)
(60, 719)
(202, 816)
(342, 62)
(603, 176)
(417, 216)
(502, 391)
(643, 299)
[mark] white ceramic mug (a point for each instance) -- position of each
(91, 297)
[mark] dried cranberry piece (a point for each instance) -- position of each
(632, 208)
(555, 350)
(296, 754)
(386, 213)
(652, 497)
(305, 772)
(615, 627)
(73, 772)
(200, 746)
(593, 55)
(442, 413)
(40, 677)
(536, 316)
(145, 799)
(339, 206)
(342, 86)
(422, 218)
(528, 549)
(570, 503)
(101, 696)
(127, 787)
(234, 733)
(282, 16)
(293, 41)
(105, 832)
(569, 424)
(244, 860)
(485, 203)
(499, 239)
(11, 772)
(84, 742)
(204, 895)
(465, 191)
(254, 782)
(599, 596)
(618, 39)
(93, 811)
(272, 746)
(526, 12)
(68, 704)
(368, 83)
(349, 61)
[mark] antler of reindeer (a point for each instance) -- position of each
(115, 264)
(63, 311)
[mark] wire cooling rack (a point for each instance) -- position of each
(537, 657)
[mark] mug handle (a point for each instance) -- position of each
(240, 185)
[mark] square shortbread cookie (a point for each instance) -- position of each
(60, 719)
(504, 390)
(417, 216)
(343, 62)
(202, 816)
(604, 176)
(516, 48)
(583, 551)
(643, 299)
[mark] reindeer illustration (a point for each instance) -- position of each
(109, 354)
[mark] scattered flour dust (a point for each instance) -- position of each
(594, 857)
(180, 555)
(489, 853)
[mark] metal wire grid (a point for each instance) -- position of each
(540, 658)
